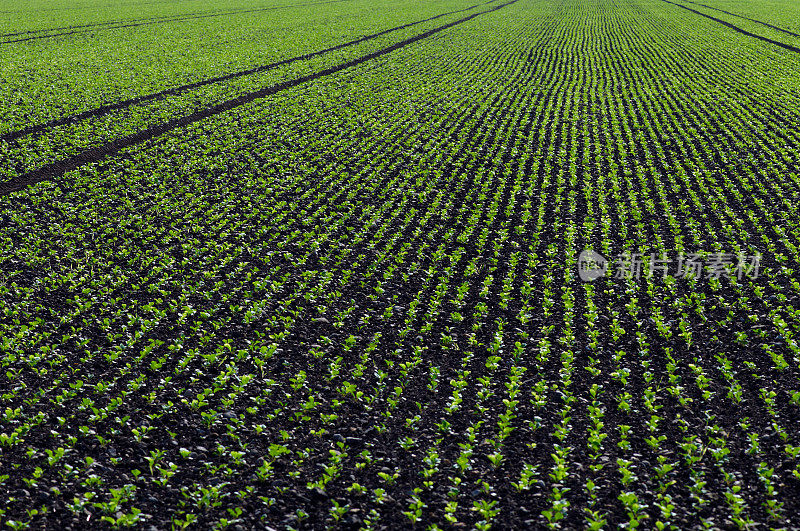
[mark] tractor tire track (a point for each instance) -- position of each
(105, 109)
(98, 153)
(738, 29)
(88, 28)
(776, 28)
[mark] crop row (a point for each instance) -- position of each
(355, 301)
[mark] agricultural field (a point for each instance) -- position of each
(360, 264)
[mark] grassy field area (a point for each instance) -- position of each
(365, 264)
